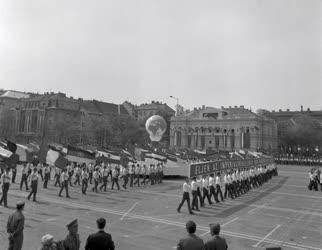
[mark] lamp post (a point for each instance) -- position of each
(177, 106)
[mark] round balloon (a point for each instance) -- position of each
(156, 126)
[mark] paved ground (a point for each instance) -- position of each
(281, 213)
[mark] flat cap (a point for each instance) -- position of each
(20, 204)
(214, 228)
(72, 224)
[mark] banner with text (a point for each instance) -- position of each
(211, 167)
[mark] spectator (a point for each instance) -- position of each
(15, 226)
(48, 243)
(191, 242)
(216, 243)
(101, 239)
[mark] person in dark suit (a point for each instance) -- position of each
(192, 241)
(216, 243)
(100, 240)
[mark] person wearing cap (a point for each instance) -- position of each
(34, 184)
(5, 180)
(101, 239)
(185, 196)
(15, 226)
(192, 241)
(216, 243)
(72, 241)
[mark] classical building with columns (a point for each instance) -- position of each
(225, 129)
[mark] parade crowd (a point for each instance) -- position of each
(315, 179)
(95, 176)
(235, 183)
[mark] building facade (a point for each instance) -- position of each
(224, 129)
(144, 111)
(56, 118)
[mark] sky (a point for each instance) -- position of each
(257, 53)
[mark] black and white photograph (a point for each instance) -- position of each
(161, 124)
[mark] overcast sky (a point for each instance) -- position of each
(257, 53)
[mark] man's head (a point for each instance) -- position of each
(101, 222)
(191, 227)
(73, 227)
(214, 229)
(20, 205)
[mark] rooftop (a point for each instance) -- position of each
(14, 94)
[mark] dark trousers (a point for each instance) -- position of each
(195, 200)
(218, 192)
(228, 191)
(15, 243)
(144, 179)
(126, 180)
(70, 174)
(14, 173)
(57, 180)
(152, 178)
(5, 189)
(84, 186)
(213, 193)
(109, 174)
(206, 194)
(77, 181)
(185, 197)
(34, 185)
(90, 177)
(64, 186)
(115, 180)
(200, 197)
(131, 180)
(104, 183)
(47, 177)
(24, 181)
(95, 185)
(137, 181)
(40, 173)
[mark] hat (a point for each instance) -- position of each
(47, 239)
(214, 228)
(20, 204)
(72, 224)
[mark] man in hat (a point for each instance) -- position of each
(192, 241)
(72, 241)
(101, 239)
(15, 226)
(5, 180)
(216, 243)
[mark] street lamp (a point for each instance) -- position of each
(177, 106)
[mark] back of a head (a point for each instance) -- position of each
(101, 222)
(191, 227)
(214, 229)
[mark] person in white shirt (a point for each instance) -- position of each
(84, 177)
(57, 176)
(34, 185)
(115, 179)
(24, 177)
(77, 172)
(96, 180)
(185, 196)
(218, 187)
(199, 186)
(64, 179)
(131, 172)
(5, 180)
(194, 192)
(105, 176)
(46, 174)
(212, 187)
(205, 190)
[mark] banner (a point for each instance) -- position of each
(80, 153)
(218, 166)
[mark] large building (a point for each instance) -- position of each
(225, 129)
(57, 118)
(146, 110)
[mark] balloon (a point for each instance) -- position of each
(156, 126)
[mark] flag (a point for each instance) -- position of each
(4, 153)
(80, 155)
(11, 146)
(56, 158)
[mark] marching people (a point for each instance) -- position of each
(15, 227)
(24, 176)
(40, 172)
(5, 180)
(199, 186)
(185, 196)
(105, 176)
(77, 172)
(90, 172)
(96, 180)
(137, 172)
(57, 176)
(70, 174)
(131, 172)
(218, 188)
(115, 178)
(144, 175)
(34, 185)
(64, 179)
(84, 177)
(205, 190)
(125, 176)
(194, 193)
(46, 175)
